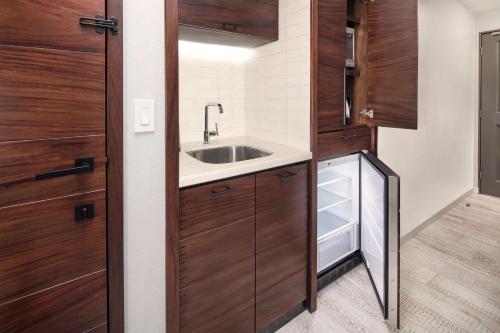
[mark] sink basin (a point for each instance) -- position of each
(228, 154)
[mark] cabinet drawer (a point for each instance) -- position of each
(203, 255)
(214, 205)
(21, 161)
(279, 300)
(222, 302)
(258, 18)
(41, 244)
(340, 143)
(77, 306)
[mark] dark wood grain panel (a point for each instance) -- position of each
(203, 255)
(279, 300)
(254, 18)
(50, 24)
(20, 161)
(340, 143)
(223, 302)
(282, 210)
(276, 264)
(393, 63)
(283, 186)
(76, 306)
(101, 329)
(50, 93)
(41, 244)
(331, 53)
(201, 211)
(114, 176)
(172, 166)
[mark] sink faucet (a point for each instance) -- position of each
(207, 134)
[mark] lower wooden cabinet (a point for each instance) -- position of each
(243, 251)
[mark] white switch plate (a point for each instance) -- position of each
(144, 115)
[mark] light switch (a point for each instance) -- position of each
(144, 115)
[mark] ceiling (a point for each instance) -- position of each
(481, 5)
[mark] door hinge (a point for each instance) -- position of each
(480, 175)
(101, 24)
(367, 113)
(481, 50)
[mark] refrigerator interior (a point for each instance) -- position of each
(338, 210)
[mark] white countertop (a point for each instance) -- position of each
(193, 172)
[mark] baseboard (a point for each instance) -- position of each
(434, 217)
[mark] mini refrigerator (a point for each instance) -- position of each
(358, 213)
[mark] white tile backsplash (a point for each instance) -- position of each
(266, 95)
(278, 98)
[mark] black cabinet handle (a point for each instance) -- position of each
(349, 137)
(287, 175)
(230, 26)
(82, 165)
(228, 190)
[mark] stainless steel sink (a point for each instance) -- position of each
(228, 154)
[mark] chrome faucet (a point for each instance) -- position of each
(207, 134)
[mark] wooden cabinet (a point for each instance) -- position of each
(243, 250)
(340, 143)
(282, 242)
(385, 79)
(233, 22)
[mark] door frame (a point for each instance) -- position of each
(479, 104)
(172, 146)
(114, 175)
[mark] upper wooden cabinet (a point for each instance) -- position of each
(384, 82)
(232, 22)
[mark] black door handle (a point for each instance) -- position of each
(82, 165)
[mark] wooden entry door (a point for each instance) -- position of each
(54, 192)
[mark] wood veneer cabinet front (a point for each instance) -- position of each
(243, 250)
(385, 78)
(255, 19)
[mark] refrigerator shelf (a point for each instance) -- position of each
(330, 224)
(327, 177)
(327, 200)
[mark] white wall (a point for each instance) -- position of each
(436, 161)
(487, 21)
(144, 169)
(278, 81)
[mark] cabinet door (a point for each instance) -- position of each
(331, 64)
(380, 232)
(282, 242)
(257, 18)
(392, 76)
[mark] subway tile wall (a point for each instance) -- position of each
(265, 91)
(277, 94)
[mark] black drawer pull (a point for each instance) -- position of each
(82, 165)
(349, 137)
(288, 175)
(230, 26)
(228, 190)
